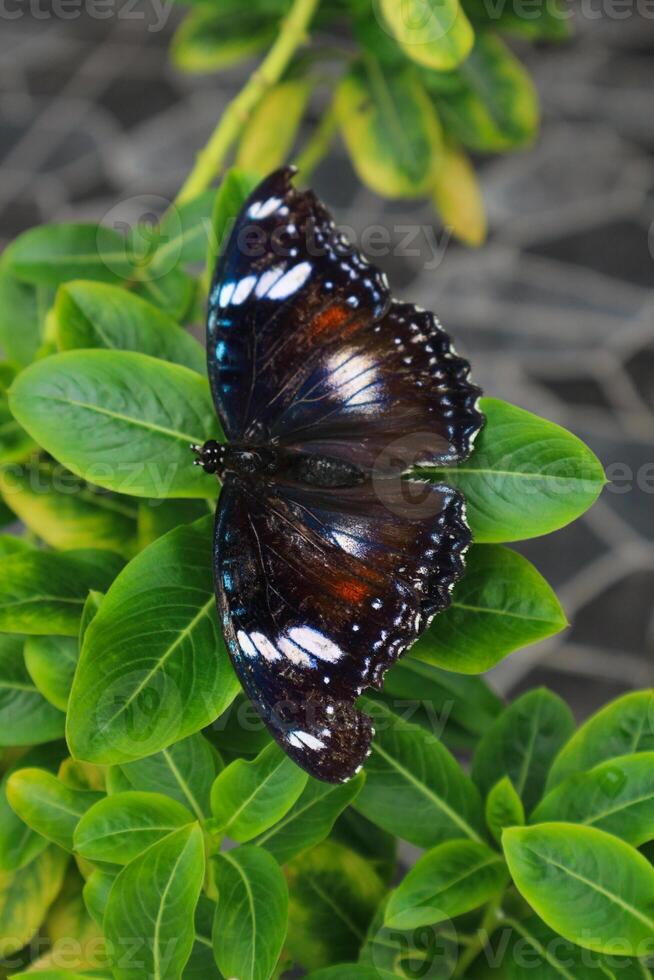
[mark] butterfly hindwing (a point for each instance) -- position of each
(320, 591)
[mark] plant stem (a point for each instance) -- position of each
(493, 918)
(318, 145)
(292, 34)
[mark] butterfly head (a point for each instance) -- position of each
(210, 456)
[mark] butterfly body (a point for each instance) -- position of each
(330, 557)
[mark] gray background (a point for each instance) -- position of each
(556, 312)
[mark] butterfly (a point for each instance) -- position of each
(329, 561)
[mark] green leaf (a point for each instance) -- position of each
(62, 974)
(310, 819)
(538, 953)
(502, 604)
(209, 40)
(120, 827)
(103, 414)
(124, 707)
(377, 846)
(249, 797)
(240, 730)
(390, 128)
(522, 743)
(414, 788)
(447, 881)
(526, 476)
(616, 796)
(202, 965)
(157, 517)
(90, 314)
(51, 663)
(620, 728)
(235, 188)
(26, 718)
(503, 808)
(333, 896)
(22, 312)
(42, 592)
(587, 885)
(19, 844)
(430, 951)
(546, 21)
(89, 612)
(445, 696)
(435, 34)
(47, 805)
(184, 232)
(270, 133)
(66, 512)
(251, 914)
(97, 889)
(457, 197)
(15, 444)
(153, 900)
(25, 897)
(52, 254)
(345, 971)
(185, 772)
(496, 106)
(173, 292)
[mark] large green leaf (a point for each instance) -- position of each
(153, 666)
(42, 592)
(587, 885)
(620, 728)
(19, 844)
(118, 828)
(310, 819)
(185, 772)
(96, 893)
(22, 313)
(157, 517)
(502, 604)
(390, 128)
(414, 788)
(66, 512)
(122, 420)
(503, 808)
(333, 896)
(538, 953)
(51, 254)
(25, 897)
(15, 444)
(445, 697)
(251, 914)
(26, 718)
(173, 292)
(522, 743)
(447, 881)
(434, 33)
(271, 131)
(153, 902)
(526, 476)
(616, 796)
(248, 797)
(90, 314)
(211, 39)
(48, 806)
(495, 106)
(51, 663)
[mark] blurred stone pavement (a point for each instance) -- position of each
(556, 312)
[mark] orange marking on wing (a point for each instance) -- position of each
(330, 319)
(350, 590)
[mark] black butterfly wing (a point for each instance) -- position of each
(284, 282)
(320, 591)
(306, 347)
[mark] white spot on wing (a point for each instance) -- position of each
(291, 282)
